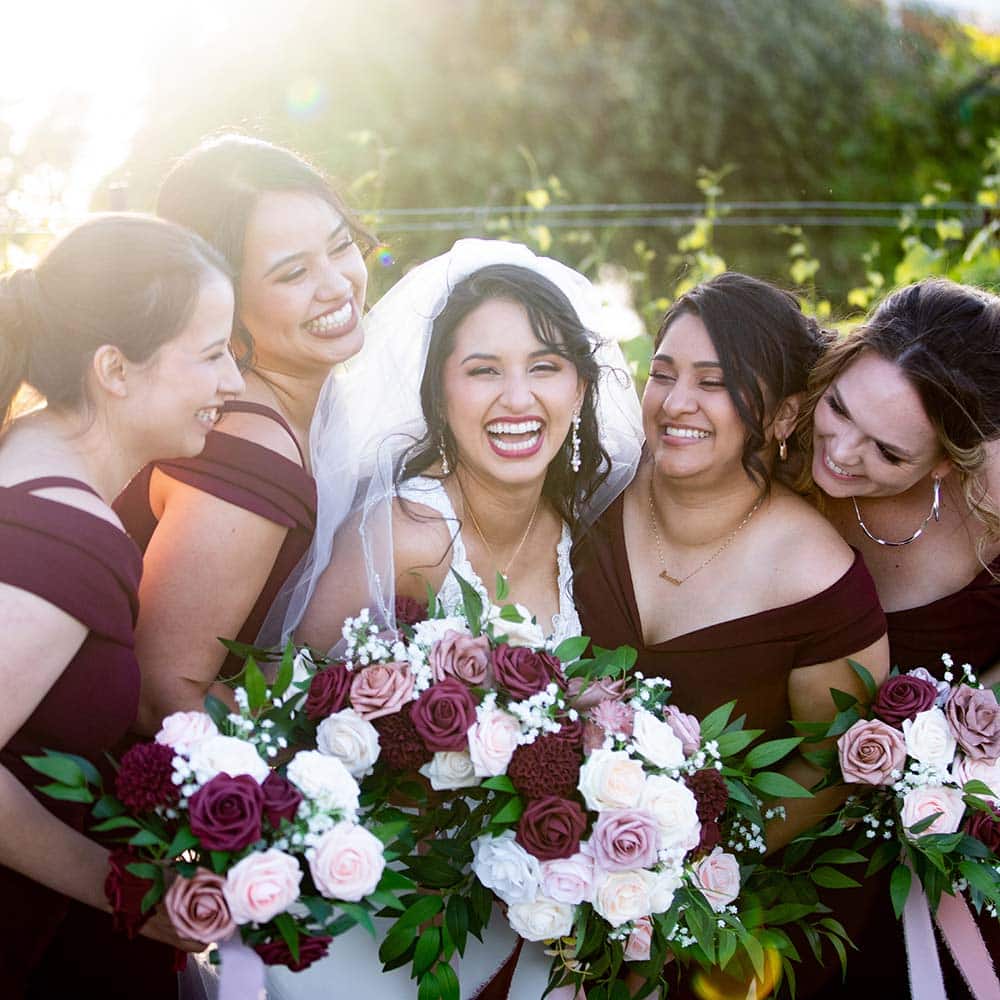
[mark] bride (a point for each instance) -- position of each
(486, 420)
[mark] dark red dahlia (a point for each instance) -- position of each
(402, 747)
(144, 777)
(549, 766)
(710, 838)
(409, 611)
(571, 733)
(311, 949)
(709, 788)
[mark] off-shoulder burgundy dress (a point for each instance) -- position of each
(748, 658)
(85, 566)
(250, 476)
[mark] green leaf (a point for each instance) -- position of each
(142, 869)
(396, 942)
(426, 953)
(61, 768)
(285, 671)
(771, 752)
(779, 786)
(830, 878)
(866, 678)
(383, 898)
(511, 812)
(840, 856)
(106, 807)
(472, 604)
(509, 613)
(152, 897)
(823, 759)
(501, 783)
(884, 854)
(842, 699)
(447, 982)
(502, 588)
(395, 881)
(977, 787)
(572, 648)
(843, 721)
(919, 827)
(899, 888)
(982, 877)
(737, 742)
(289, 932)
(146, 838)
(727, 947)
(428, 988)
(116, 823)
(755, 953)
(456, 919)
(255, 685)
(359, 915)
(713, 723)
(421, 911)
(217, 710)
(67, 794)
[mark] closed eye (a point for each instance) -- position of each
(835, 406)
(291, 276)
(889, 456)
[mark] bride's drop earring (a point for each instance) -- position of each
(445, 467)
(574, 461)
(783, 449)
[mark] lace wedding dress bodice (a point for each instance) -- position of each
(431, 493)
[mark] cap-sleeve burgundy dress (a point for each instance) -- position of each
(250, 476)
(90, 569)
(748, 659)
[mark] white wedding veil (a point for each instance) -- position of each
(369, 415)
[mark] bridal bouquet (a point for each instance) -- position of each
(231, 841)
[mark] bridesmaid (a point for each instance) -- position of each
(724, 580)
(222, 533)
(124, 329)
(902, 420)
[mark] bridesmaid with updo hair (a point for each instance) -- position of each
(124, 329)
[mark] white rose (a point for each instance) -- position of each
(623, 896)
(656, 740)
(522, 633)
(185, 730)
(351, 739)
(325, 780)
(929, 738)
(610, 779)
(428, 632)
(968, 769)
(662, 886)
(541, 920)
(927, 800)
(450, 769)
(504, 866)
(673, 805)
(492, 742)
(227, 754)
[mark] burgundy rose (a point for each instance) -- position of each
(328, 691)
(974, 714)
(144, 777)
(281, 799)
(524, 672)
(985, 826)
(226, 812)
(125, 891)
(409, 611)
(549, 766)
(902, 697)
(711, 793)
(402, 749)
(442, 715)
(551, 827)
(570, 731)
(711, 837)
(311, 949)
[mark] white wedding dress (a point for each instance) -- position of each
(352, 968)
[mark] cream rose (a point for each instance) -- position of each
(718, 878)
(541, 920)
(261, 886)
(662, 886)
(449, 769)
(569, 880)
(325, 780)
(185, 730)
(656, 740)
(919, 803)
(347, 862)
(351, 739)
(522, 633)
(929, 738)
(674, 807)
(504, 866)
(492, 742)
(623, 896)
(227, 754)
(610, 779)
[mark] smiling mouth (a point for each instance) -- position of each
(336, 319)
(512, 439)
(686, 433)
(836, 469)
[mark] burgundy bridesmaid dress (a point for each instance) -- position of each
(50, 945)
(250, 476)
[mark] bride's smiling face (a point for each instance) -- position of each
(509, 398)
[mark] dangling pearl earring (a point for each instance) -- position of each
(574, 461)
(782, 449)
(445, 467)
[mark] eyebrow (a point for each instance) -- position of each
(477, 356)
(894, 448)
(302, 253)
(667, 359)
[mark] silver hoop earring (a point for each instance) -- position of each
(443, 451)
(935, 512)
(574, 461)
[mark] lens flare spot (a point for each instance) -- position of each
(305, 97)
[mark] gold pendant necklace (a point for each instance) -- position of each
(678, 580)
(489, 548)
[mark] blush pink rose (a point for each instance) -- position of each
(464, 657)
(624, 839)
(197, 907)
(640, 941)
(974, 715)
(569, 880)
(919, 803)
(381, 689)
(870, 751)
(262, 885)
(718, 877)
(492, 742)
(347, 863)
(185, 730)
(987, 771)
(597, 691)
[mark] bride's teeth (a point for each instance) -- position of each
(526, 427)
(833, 467)
(684, 432)
(514, 446)
(331, 320)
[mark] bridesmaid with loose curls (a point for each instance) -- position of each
(221, 533)
(124, 329)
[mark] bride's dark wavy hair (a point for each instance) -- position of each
(555, 324)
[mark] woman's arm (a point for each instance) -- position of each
(809, 696)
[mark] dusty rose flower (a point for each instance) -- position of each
(409, 611)
(686, 728)
(226, 813)
(870, 751)
(902, 697)
(464, 657)
(613, 717)
(381, 689)
(974, 715)
(985, 826)
(624, 839)
(640, 941)
(924, 801)
(281, 799)
(551, 827)
(492, 742)
(443, 714)
(523, 672)
(604, 689)
(328, 691)
(262, 885)
(311, 949)
(347, 862)
(197, 907)
(718, 877)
